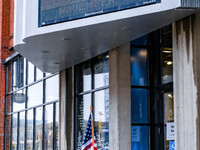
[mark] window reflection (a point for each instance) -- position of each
(83, 111)
(35, 94)
(39, 74)
(101, 119)
(9, 78)
(52, 88)
(29, 134)
(15, 72)
(101, 76)
(22, 130)
(139, 70)
(48, 142)
(168, 116)
(139, 106)
(19, 99)
(166, 55)
(14, 132)
(30, 72)
(140, 137)
(38, 128)
(84, 79)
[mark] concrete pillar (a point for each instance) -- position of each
(66, 130)
(120, 98)
(186, 58)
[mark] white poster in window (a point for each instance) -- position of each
(135, 134)
(170, 131)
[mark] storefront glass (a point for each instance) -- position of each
(92, 79)
(31, 100)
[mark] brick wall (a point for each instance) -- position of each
(6, 43)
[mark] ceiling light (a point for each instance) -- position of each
(107, 56)
(170, 96)
(44, 51)
(169, 63)
(167, 51)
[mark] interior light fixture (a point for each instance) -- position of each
(169, 63)
(170, 96)
(44, 51)
(107, 56)
(165, 51)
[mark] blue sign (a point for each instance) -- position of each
(54, 11)
(171, 145)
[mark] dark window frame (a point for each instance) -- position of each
(9, 93)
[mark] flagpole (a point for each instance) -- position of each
(92, 128)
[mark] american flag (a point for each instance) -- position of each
(87, 141)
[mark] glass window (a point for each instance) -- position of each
(38, 128)
(90, 76)
(39, 74)
(22, 72)
(139, 106)
(15, 75)
(140, 137)
(21, 130)
(168, 116)
(19, 100)
(139, 68)
(31, 73)
(166, 55)
(101, 119)
(140, 41)
(29, 132)
(52, 88)
(84, 77)
(14, 131)
(83, 112)
(48, 142)
(35, 94)
(101, 69)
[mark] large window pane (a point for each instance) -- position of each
(101, 119)
(83, 77)
(15, 74)
(139, 106)
(35, 94)
(83, 112)
(38, 128)
(101, 76)
(143, 41)
(139, 70)
(39, 74)
(21, 130)
(140, 138)
(166, 55)
(14, 131)
(52, 89)
(48, 142)
(22, 72)
(19, 100)
(29, 134)
(30, 72)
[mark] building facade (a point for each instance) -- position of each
(134, 62)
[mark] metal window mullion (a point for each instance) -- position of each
(25, 143)
(44, 99)
(54, 126)
(35, 74)
(18, 133)
(26, 105)
(34, 123)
